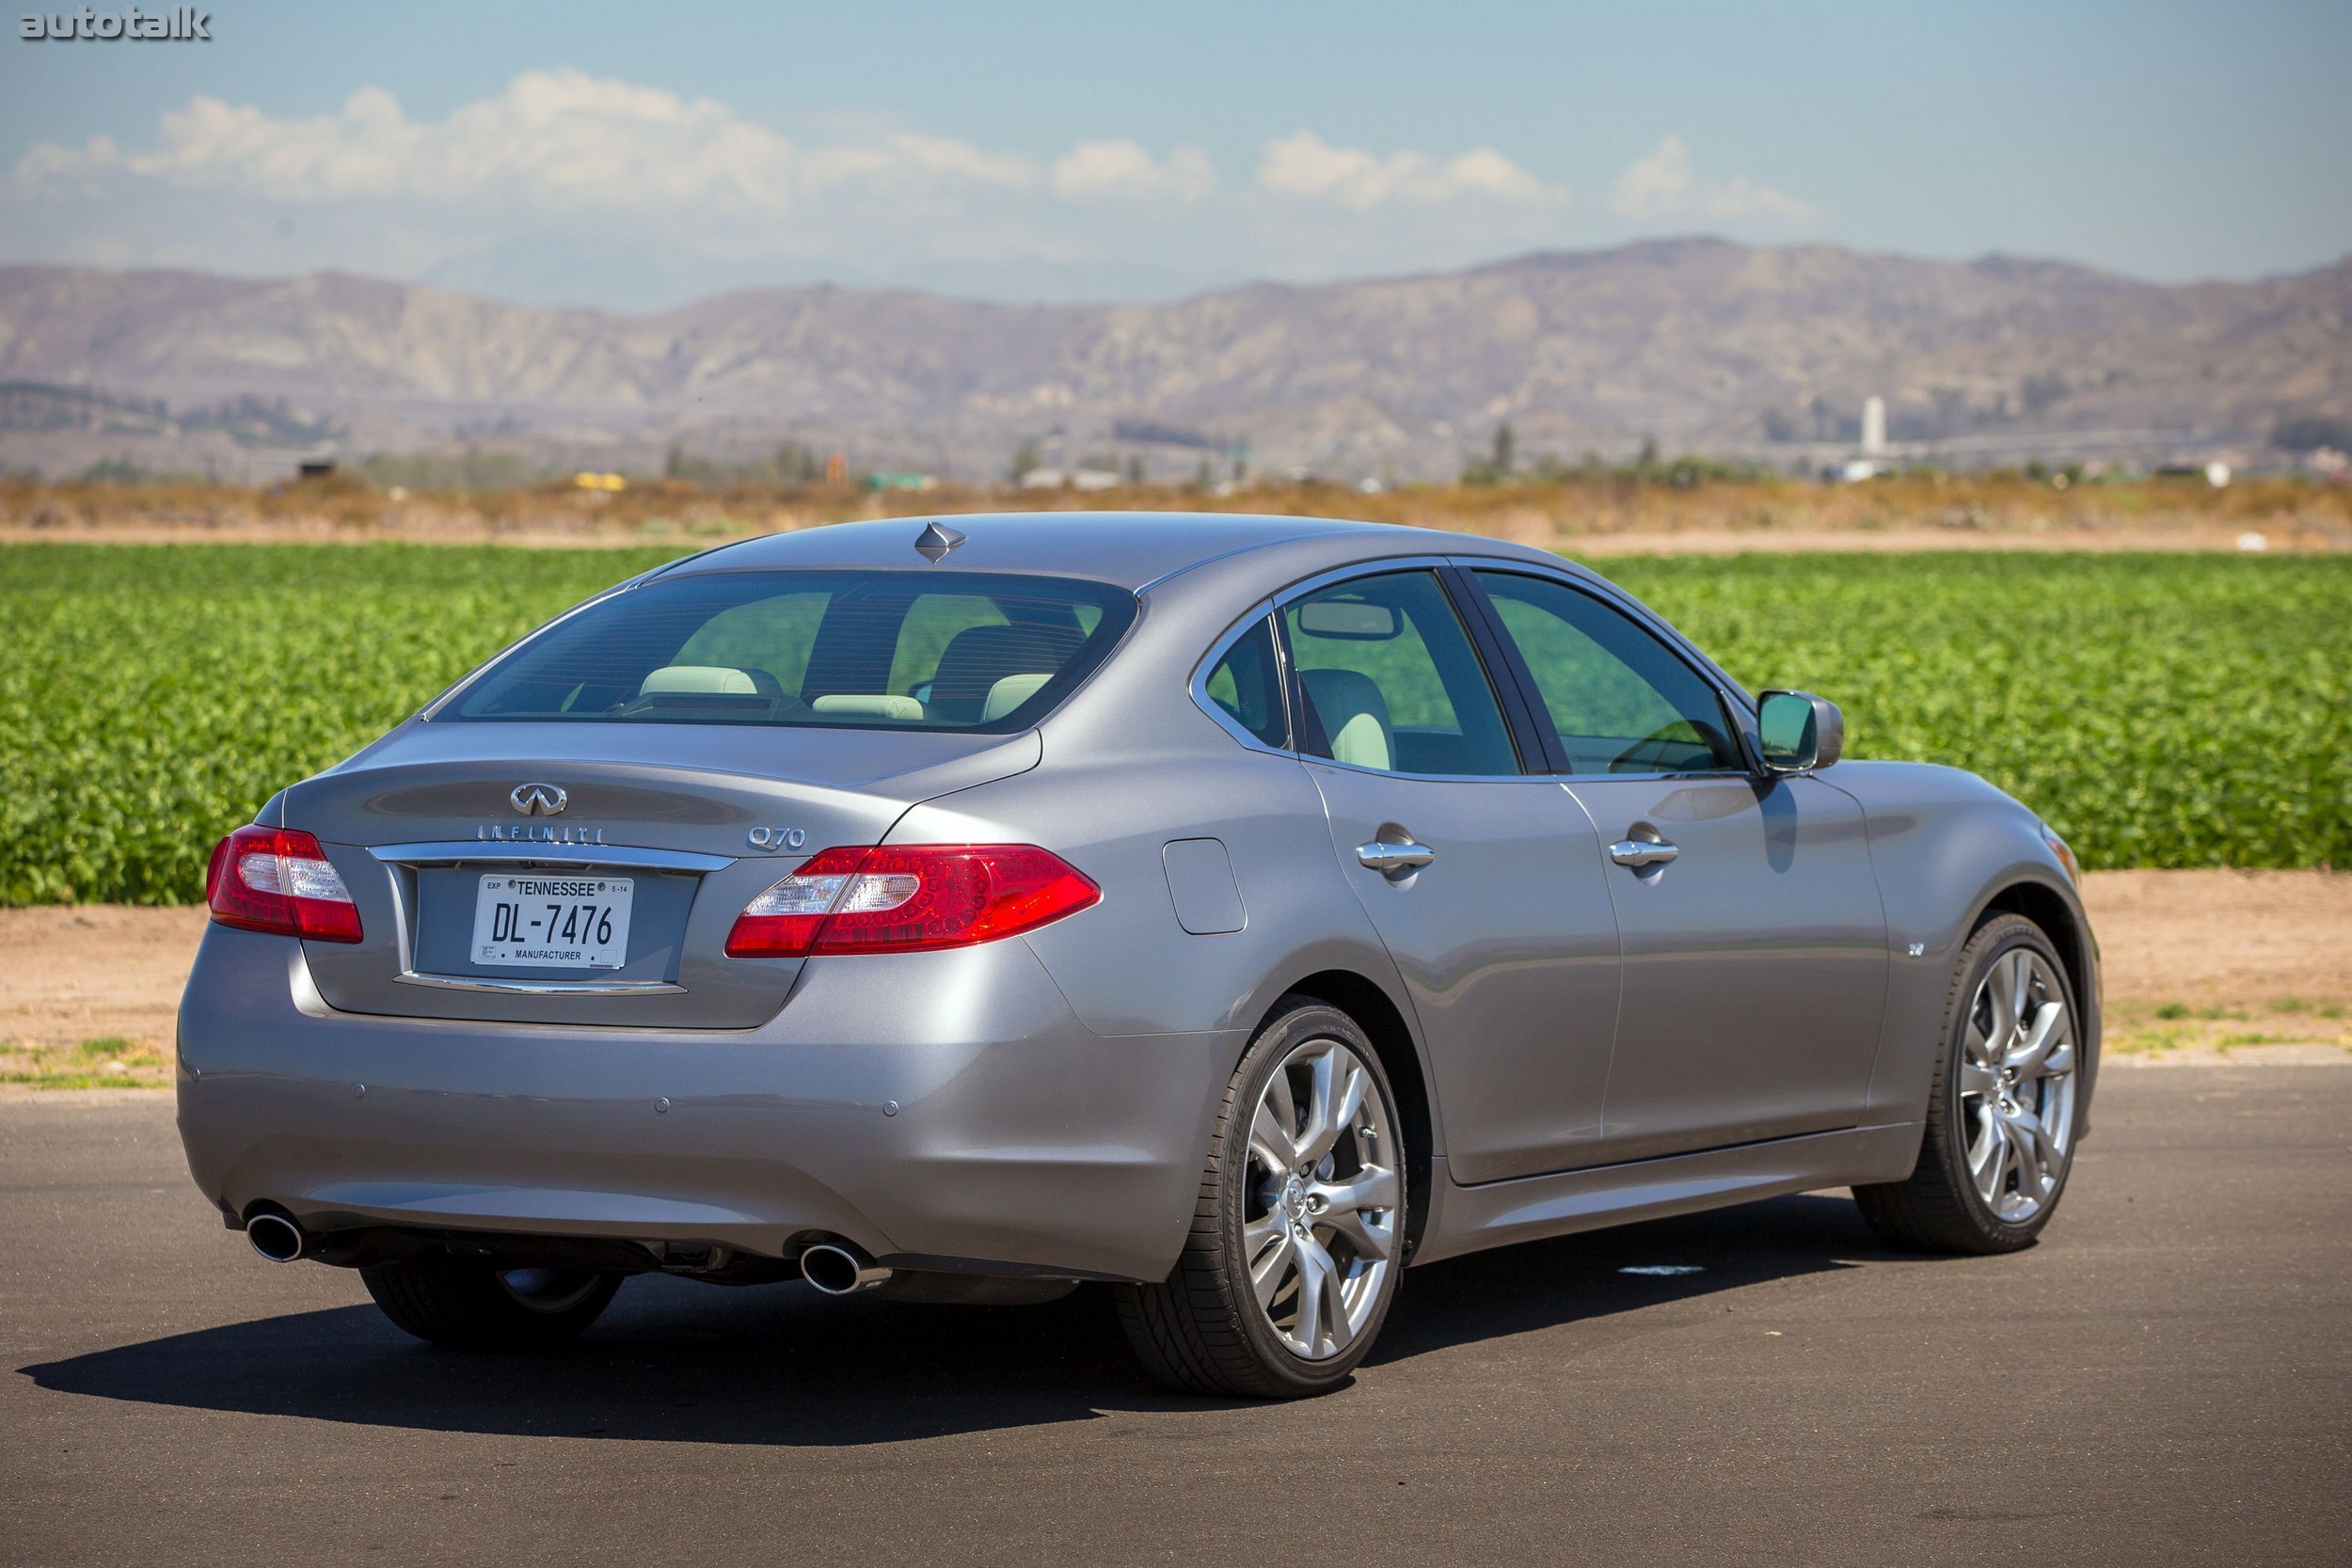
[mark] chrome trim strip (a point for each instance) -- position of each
(1546, 779)
(542, 988)
(453, 851)
(404, 919)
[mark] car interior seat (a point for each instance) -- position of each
(1354, 715)
(709, 680)
(977, 658)
(869, 705)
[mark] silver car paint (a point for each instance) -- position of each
(1754, 961)
(1040, 1103)
(1946, 845)
(1509, 953)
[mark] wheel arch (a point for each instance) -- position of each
(1383, 1022)
(2048, 909)
(2062, 920)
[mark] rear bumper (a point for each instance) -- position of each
(1018, 1139)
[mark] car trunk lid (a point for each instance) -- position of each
(675, 827)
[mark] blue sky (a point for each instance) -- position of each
(634, 156)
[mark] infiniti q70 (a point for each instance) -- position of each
(1234, 911)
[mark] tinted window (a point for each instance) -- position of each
(1247, 684)
(888, 650)
(1621, 700)
(1388, 680)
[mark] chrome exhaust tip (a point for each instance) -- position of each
(838, 1269)
(277, 1237)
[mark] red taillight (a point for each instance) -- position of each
(277, 881)
(909, 898)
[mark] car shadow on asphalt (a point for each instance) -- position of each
(674, 1361)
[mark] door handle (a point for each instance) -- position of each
(1406, 856)
(1639, 852)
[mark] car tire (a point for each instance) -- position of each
(1223, 1322)
(1977, 1102)
(469, 1304)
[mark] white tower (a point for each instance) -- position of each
(1873, 426)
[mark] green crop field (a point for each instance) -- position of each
(2159, 710)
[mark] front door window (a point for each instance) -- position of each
(1621, 701)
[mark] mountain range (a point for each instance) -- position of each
(1696, 344)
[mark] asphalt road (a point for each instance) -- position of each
(2165, 1379)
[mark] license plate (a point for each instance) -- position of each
(553, 922)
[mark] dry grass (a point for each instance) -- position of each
(1579, 514)
(109, 1062)
(2137, 1028)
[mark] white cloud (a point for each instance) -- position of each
(565, 186)
(1125, 171)
(1663, 182)
(1304, 166)
(557, 139)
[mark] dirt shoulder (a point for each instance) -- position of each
(1583, 515)
(89, 993)
(2228, 938)
(2253, 964)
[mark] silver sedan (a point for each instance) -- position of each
(1235, 911)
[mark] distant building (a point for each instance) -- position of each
(1872, 462)
(1069, 479)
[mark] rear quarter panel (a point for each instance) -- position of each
(1127, 965)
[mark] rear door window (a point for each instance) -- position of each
(1388, 680)
(894, 650)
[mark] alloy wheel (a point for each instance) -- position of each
(2017, 1085)
(1319, 1221)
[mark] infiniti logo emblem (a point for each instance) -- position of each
(539, 800)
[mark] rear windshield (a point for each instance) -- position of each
(895, 650)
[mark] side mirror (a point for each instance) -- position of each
(1799, 731)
